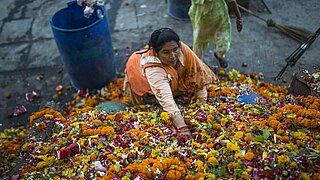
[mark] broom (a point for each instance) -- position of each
(299, 34)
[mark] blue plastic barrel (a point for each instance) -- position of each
(85, 46)
(178, 9)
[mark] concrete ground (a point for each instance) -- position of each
(30, 60)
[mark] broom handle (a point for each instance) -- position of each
(295, 56)
(250, 12)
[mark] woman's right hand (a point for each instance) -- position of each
(184, 131)
(181, 127)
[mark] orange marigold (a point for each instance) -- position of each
(249, 156)
(247, 138)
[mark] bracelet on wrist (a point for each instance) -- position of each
(184, 128)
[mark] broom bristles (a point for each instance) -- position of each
(299, 34)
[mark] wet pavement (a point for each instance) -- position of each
(30, 60)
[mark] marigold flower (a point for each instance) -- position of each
(293, 165)
(223, 121)
(216, 126)
(292, 147)
(232, 147)
(213, 161)
(304, 176)
(249, 156)
(316, 176)
(189, 177)
(237, 136)
(244, 175)
(46, 112)
(165, 116)
(173, 175)
(285, 138)
(238, 156)
(233, 165)
(247, 138)
(200, 175)
(199, 166)
(301, 136)
(283, 159)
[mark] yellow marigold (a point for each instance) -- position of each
(195, 144)
(48, 116)
(238, 135)
(232, 147)
(238, 155)
(155, 153)
(165, 116)
(301, 136)
(233, 165)
(293, 165)
(283, 159)
(110, 157)
(249, 156)
(245, 175)
(125, 178)
(199, 165)
(214, 153)
(213, 161)
(292, 147)
(223, 121)
(304, 176)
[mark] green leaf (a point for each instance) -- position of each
(238, 171)
(303, 130)
(266, 133)
(84, 151)
(222, 171)
(148, 148)
(294, 126)
(259, 139)
(292, 154)
(117, 167)
(267, 168)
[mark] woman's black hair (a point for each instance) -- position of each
(160, 37)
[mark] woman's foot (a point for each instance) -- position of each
(222, 62)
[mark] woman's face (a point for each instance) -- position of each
(169, 53)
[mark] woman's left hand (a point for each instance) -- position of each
(216, 79)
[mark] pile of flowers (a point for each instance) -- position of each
(312, 79)
(275, 138)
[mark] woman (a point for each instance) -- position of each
(211, 24)
(166, 69)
